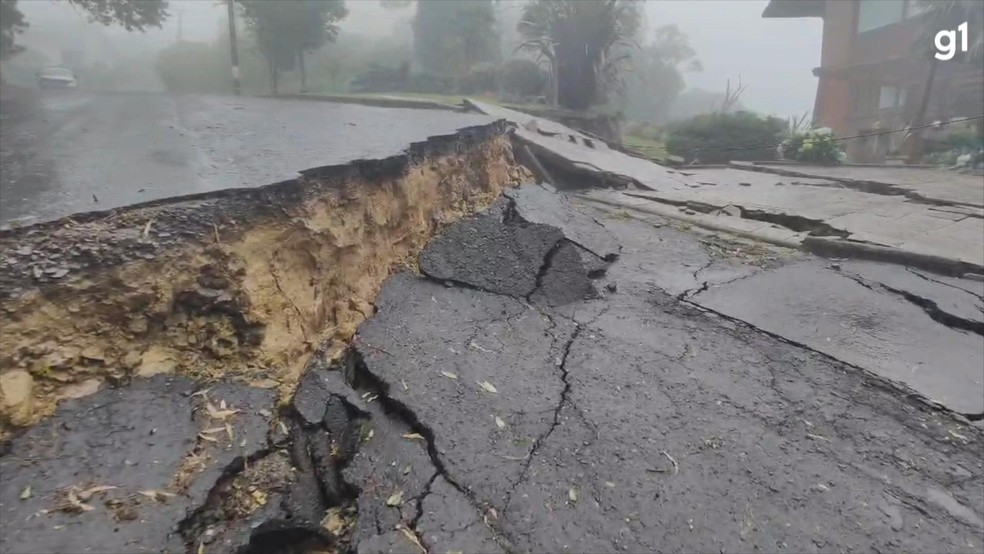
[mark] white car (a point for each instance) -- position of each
(57, 77)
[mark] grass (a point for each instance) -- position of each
(654, 150)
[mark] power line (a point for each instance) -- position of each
(839, 139)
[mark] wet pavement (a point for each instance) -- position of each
(913, 215)
(481, 411)
(66, 152)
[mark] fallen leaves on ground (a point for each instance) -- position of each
(449, 375)
(86, 494)
(160, 496)
(500, 423)
(413, 436)
(411, 537)
(337, 521)
(395, 499)
(488, 387)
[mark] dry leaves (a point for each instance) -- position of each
(414, 436)
(395, 499)
(335, 522)
(572, 495)
(74, 501)
(160, 496)
(450, 375)
(411, 537)
(222, 412)
(26, 493)
(86, 494)
(499, 423)
(488, 387)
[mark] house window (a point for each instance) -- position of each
(874, 14)
(891, 97)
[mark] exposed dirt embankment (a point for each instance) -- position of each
(240, 283)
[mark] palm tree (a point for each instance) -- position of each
(937, 15)
(584, 43)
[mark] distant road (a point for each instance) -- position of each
(65, 152)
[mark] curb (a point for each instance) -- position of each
(379, 102)
(839, 248)
(821, 246)
(696, 221)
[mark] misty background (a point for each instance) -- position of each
(729, 39)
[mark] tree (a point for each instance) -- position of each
(585, 44)
(286, 29)
(133, 15)
(451, 37)
(936, 15)
(657, 75)
(11, 24)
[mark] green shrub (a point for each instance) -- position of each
(480, 78)
(723, 137)
(813, 146)
(522, 78)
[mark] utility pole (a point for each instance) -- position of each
(233, 47)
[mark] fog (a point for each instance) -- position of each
(773, 57)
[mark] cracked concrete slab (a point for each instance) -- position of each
(565, 277)
(537, 204)
(738, 200)
(145, 442)
(393, 475)
(501, 251)
(810, 304)
(443, 351)
(448, 523)
(585, 155)
(921, 184)
(670, 427)
(483, 253)
(953, 306)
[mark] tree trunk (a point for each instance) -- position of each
(300, 64)
(914, 147)
(274, 78)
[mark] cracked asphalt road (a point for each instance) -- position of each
(493, 415)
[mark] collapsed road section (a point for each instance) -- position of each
(242, 282)
(547, 382)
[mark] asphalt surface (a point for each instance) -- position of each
(66, 152)
(484, 411)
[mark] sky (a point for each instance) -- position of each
(774, 57)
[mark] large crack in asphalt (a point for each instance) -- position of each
(365, 379)
(872, 379)
(793, 222)
(308, 499)
(932, 309)
(862, 185)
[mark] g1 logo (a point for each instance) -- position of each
(946, 42)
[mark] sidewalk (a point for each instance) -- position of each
(920, 217)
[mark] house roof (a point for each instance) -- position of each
(794, 8)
